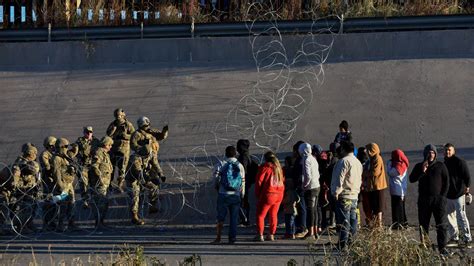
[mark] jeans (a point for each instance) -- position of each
(300, 220)
(290, 228)
(346, 218)
(232, 203)
(458, 222)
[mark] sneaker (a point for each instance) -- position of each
(289, 236)
(258, 238)
(216, 241)
(232, 241)
(302, 234)
(453, 243)
(270, 238)
(310, 237)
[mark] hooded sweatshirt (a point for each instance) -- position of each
(267, 182)
(397, 172)
(310, 177)
(376, 174)
(244, 158)
(435, 181)
(459, 177)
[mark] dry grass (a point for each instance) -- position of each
(188, 11)
(384, 246)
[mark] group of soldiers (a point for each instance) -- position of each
(49, 185)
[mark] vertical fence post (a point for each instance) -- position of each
(23, 12)
(12, 13)
(1, 14)
(49, 32)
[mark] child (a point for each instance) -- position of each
(290, 199)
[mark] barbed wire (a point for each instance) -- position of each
(267, 114)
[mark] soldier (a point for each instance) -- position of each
(86, 146)
(147, 135)
(100, 174)
(120, 130)
(64, 173)
(46, 162)
(9, 177)
(26, 189)
(138, 177)
(144, 169)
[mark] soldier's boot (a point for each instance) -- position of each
(219, 227)
(136, 220)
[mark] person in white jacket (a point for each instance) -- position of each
(397, 169)
(345, 187)
(310, 186)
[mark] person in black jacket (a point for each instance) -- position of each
(251, 169)
(459, 182)
(433, 186)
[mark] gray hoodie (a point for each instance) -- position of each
(310, 167)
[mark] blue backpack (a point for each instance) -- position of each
(230, 176)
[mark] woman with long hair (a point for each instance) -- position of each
(269, 189)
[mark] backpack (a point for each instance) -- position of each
(230, 176)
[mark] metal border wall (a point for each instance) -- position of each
(238, 29)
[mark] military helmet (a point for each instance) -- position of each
(49, 141)
(28, 149)
(143, 121)
(61, 143)
(88, 129)
(106, 141)
(118, 111)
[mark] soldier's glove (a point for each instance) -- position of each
(163, 178)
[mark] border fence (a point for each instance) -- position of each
(191, 30)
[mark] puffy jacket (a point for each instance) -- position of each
(375, 176)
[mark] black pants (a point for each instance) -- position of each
(311, 200)
(399, 217)
(244, 213)
(435, 206)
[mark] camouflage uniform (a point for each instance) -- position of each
(86, 148)
(144, 169)
(138, 177)
(100, 173)
(64, 173)
(120, 130)
(146, 135)
(9, 177)
(46, 163)
(27, 188)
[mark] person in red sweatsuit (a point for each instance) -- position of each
(269, 189)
